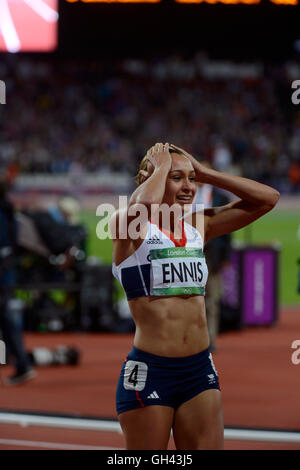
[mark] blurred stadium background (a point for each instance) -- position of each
(90, 86)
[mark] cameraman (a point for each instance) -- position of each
(11, 319)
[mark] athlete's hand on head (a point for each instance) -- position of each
(200, 168)
(158, 156)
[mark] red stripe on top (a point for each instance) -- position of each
(181, 242)
(139, 399)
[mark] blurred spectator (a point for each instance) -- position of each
(101, 117)
(66, 211)
(294, 176)
(11, 318)
(222, 158)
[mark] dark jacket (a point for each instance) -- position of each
(8, 237)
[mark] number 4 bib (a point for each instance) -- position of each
(135, 375)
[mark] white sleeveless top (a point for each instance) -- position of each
(164, 266)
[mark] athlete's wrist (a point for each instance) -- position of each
(164, 164)
(162, 169)
(203, 174)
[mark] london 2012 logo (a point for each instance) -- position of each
(28, 25)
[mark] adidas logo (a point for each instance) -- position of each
(211, 378)
(154, 240)
(153, 395)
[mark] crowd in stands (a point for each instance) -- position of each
(100, 116)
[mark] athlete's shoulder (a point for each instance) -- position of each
(195, 222)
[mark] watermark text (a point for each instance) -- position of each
(128, 221)
(296, 354)
(2, 92)
(296, 93)
(2, 352)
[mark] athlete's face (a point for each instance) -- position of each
(180, 184)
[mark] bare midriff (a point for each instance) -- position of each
(172, 326)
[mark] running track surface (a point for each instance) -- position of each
(260, 387)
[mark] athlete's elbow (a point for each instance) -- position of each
(273, 198)
(270, 201)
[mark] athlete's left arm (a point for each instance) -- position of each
(254, 200)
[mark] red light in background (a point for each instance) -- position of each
(28, 25)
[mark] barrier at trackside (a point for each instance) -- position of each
(250, 287)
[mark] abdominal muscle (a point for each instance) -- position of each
(173, 326)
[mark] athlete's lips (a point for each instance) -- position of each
(185, 198)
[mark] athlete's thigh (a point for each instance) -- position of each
(198, 423)
(147, 428)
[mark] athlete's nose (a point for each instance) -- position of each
(187, 185)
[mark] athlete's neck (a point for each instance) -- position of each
(173, 224)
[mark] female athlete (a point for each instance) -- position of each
(168, 381)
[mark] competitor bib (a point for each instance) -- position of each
(178, 271)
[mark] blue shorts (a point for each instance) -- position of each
(147, 379)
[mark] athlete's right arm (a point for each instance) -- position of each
(126, 224)
(152, 190)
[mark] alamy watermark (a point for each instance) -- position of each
(296, 354)
(132, 218)
(296, 93)
(2, 92)
(2, 352)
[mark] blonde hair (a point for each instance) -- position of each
(139, 179)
